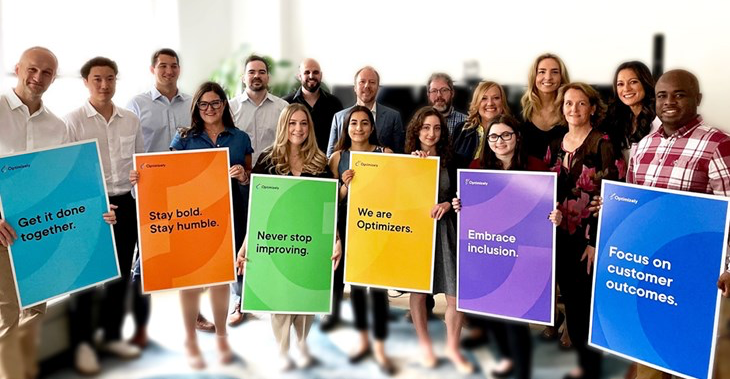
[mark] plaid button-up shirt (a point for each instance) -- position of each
(695, 158)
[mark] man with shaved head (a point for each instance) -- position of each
(25, 124)
(684, 154)
(321, 104)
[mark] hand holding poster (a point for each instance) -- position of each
(658, 258)
(506, 259)
(390, 233)
(291, 236)
(184, 210)
(54, 199)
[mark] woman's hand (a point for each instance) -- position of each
(7, 233)
(588, 255)
(596, 205)
(347, 177)
(440, 209)
(237, 172)
(420, 153)
(111, 216)
(337, 253)
(456, 204)
(241, 259)
(134, 177)
(556, 216)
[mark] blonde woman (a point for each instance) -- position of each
(488, 101)
(294, 153)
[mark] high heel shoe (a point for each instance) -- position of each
(226, 354)
(195, 358)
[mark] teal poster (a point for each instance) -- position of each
(291, 237)
(54, 199)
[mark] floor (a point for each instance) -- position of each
(254, 344)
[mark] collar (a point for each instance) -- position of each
(91, 111)
(226, 129)
(155, 94)
(15, 102)
(244, 96)
(684, 130)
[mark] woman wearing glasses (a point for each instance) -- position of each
(213, 127)
(506, 152)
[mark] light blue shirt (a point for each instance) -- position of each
(160, 118)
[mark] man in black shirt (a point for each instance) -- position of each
(321, 105)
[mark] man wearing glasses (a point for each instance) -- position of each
(440, 91)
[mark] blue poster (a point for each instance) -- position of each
(54, 199)
(659, 256)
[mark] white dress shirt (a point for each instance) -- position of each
(160, 118)
(21, 131)
(258, 121)
(119, 139)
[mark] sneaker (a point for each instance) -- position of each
(122, 349)
(86, 361)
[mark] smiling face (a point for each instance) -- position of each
(359, 127)
(166, 71)
(502, 140)
(310, 75)
(677, 99)
(36, 70)
(298, 128)
(491, 104)
(440, 95)
(102, 84)
(256, 76)
(547, 79)
(211, 115)
(430, 132)
(577, 108)
(629, 88)
(366, 86)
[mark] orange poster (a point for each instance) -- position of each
(184, 210)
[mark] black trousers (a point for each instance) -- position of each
(576, 290)
(114, 293)
(378, 305)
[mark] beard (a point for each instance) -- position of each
(442, 107)
(311, 87)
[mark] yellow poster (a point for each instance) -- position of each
(390, 232)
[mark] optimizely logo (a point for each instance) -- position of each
(473, 183)
(265, 187)
(615, 197)
(365, 164)
(151, 165)
(6, 168)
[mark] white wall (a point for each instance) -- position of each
(405, 40)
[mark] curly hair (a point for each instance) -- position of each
(413, 143)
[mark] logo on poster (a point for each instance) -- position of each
(475, 183)
(13, 168)
(265, 187)
(615, 197)
(365, 164)
(151, 165)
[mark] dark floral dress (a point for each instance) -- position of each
(578, 181)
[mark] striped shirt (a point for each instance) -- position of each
(455, 117)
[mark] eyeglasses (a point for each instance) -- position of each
(442, 91)
(215, 104)
(506, 136)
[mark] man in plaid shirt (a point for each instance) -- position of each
(684, 154)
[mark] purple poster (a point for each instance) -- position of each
(506, 245)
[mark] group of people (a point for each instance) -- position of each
(564, 127)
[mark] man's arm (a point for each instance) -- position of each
(334, 135)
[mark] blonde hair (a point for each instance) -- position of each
(473, 119)
(314, 160)
(530, 100)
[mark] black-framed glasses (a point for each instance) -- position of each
(215, 104)
(442, 91)
(506, 136)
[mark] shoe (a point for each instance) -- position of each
(195, 358)
(429, 363)
(328, 323)
(226, 354)
(122, 349)
(386, 367)
(202, 324)
(550, 333)
(285, 363)
(86, 361)
(140, 338)
(503, 374)
(236, 318)
(359, 357)
(308, 361)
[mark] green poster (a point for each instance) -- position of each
(291, 235)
